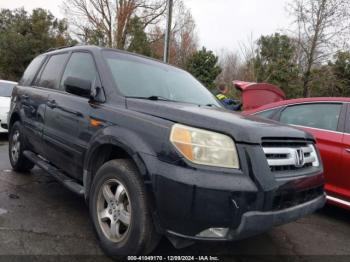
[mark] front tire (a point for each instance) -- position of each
(16, 148)
(119, 209)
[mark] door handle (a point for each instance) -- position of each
(51, 103)
(347, 150)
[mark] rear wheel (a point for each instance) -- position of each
(120, 210)
(16, 148)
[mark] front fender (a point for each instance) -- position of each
(126, 139)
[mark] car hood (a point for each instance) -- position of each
(246, 129)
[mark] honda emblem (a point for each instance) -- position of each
(299, 157)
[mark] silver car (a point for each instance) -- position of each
(6, 88)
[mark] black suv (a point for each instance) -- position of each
(154, 153)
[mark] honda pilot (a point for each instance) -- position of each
(155, 154)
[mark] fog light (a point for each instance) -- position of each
(214, 232)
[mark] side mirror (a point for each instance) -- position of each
(78, 86)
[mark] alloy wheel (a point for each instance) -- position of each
(15, 146)
(114, 210)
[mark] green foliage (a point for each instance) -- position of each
(275, 62)
(23, 36)
(138, 39)
(341, 71)
(332, 79)
(204, 66)
(323, 82)
(93, 37)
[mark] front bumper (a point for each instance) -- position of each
(189, 200)
(255, 222)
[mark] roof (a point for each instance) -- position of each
(8, 82)
(68, 48)
(94, 48)
(298, 101)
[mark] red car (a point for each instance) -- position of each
(328, 119)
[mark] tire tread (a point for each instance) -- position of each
(149, 238)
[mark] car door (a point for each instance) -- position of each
(32, 102)
(323, 121)
(46, 81)
(66, 131)
(344, 178)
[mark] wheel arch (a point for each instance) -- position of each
(14, 118)
(114, 143)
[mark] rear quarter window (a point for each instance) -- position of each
(51, 74)
(32, 69)
(268, 113)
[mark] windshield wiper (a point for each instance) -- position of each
(162, 98)
(153, 98)
(210, 105)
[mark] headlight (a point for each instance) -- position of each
(205, 147)
(313, 153)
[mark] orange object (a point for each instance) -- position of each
(95, 123)
(183, 141)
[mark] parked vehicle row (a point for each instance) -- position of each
(154, 153)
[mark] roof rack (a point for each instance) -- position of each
(61, 47)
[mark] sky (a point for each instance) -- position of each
(221, 24)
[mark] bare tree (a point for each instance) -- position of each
(183, 40)
(108, 20)
(248, 52)
(230, 63)
(322, 26)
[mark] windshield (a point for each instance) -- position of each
(6, 89)
(142, 78)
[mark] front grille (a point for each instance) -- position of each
(289, 155)
(286, 200)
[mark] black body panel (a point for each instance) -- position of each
(66, 131)
(69, 132)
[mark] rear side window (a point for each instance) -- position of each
(322, 116)
(50, 76)
(31, 71)
(268, 113)
(80, 65)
